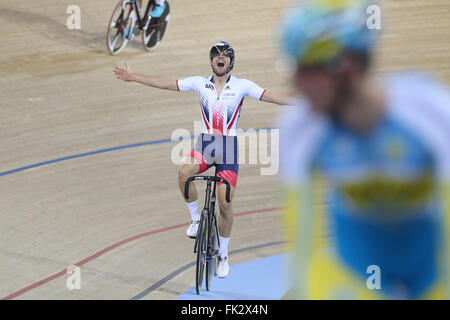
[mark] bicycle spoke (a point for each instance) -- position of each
(212, 245)
(116, 37)
(201, 254)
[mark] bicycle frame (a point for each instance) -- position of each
(144, 19)
(138, 10)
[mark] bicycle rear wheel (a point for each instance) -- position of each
(201, 253)
(120, 27)
(152, 36)
(211, 262)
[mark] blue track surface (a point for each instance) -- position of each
(260, 279)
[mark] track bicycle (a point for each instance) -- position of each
(207, 241)
(127, 21)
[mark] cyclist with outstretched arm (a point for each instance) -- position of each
(221, 96)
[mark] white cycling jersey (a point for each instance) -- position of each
(220, 113)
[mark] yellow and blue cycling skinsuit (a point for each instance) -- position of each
(359, 202)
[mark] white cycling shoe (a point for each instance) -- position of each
(223, 270)
(193, 229)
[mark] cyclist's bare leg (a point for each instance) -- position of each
(226, 211)
(188, 168)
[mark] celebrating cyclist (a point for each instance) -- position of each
(221, 96)
(381, 149)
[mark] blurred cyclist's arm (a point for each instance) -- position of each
(300, 136)
(445, 196)
(299, 235)
(151, 81)
(436, 101)
(438, 104)
(444, 193)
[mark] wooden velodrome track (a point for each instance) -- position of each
(117, 213)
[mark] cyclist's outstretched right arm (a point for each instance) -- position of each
(151, 81)
(155, 81)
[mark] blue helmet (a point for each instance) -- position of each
(316, 31)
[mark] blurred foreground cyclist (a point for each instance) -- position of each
(377, 150)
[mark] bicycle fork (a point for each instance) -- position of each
(204, 215)
(208, 213)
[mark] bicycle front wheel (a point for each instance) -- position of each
(211, 261)
(120, 27)
(153, 35)
(201, 253)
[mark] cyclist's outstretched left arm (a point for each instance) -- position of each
(256, 92)
(277, 98)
